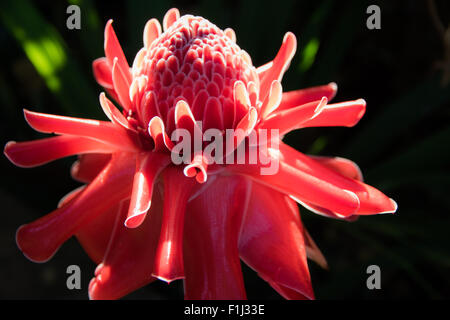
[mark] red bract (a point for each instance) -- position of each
(141, 217)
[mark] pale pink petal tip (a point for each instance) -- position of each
(171, 16)
(334, 86)
(230, 34)
(394, 207)
(363, 104)
(152, 31)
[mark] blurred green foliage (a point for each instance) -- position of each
(401, 145)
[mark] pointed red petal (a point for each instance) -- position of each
(272, 241)
(291, 119)
(114, 50)
(343, 166)
(213, 222)
(279, 65)
(148, 167)
(169, 255)
(112, 112)
(303, 185)
(371, 200)
(40, 239)
(38, 152)
(292, 99)
(103, 131)
(345, 114)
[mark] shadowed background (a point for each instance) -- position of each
(401, 144)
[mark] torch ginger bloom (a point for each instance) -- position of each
(141, 217)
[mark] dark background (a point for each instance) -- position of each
(401, 144)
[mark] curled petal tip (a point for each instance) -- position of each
(135, 220)
(156, 130)
(196, 171)
(197, 168)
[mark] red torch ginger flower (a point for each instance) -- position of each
(142, 217)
